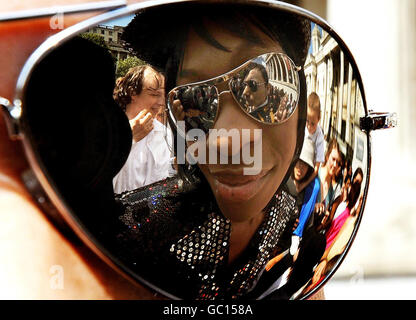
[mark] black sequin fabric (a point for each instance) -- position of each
(177, 238)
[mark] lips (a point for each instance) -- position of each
(154, 110)
(234, 186)
(298, 174)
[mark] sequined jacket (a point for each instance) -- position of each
(176, 237)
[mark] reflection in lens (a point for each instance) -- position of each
(175, 234)
(259, 88)
(199, 105)
(333, 160)
(268, 88)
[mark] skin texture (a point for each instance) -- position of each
(30, 247)
(312, 121)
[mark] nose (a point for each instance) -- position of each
(246, 91)
(230, 123)
(161, 100)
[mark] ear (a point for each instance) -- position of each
(133, 101)
(133, 98)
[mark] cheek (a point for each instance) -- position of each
(334, 166)
(262, 92)
(155, 109)
(301, 171)
(138, 102)
(146, 102)
(280, 142)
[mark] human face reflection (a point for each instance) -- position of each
(334, 161)
(300, 170)
(240, 197)
(151, 98)
(358, 179)
(345, 190)
(256, 93)
(312, 121)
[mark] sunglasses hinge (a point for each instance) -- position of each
(12, 113)
(378, 120)
(63, 9)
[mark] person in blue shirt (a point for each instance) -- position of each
(304, 168)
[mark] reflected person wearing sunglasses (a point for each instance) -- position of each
(255, 88)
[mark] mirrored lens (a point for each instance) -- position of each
(207, 230)
(330, 206)
(197, 105)
(267, 88)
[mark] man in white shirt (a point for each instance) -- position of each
(141, 93)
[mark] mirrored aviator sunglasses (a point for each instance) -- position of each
(266, 88)
(158, 223)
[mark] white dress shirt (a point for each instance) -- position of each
(149, 160)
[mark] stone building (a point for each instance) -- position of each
(112, 37)
(331, 76)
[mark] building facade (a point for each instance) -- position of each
(331, 76)
(112, 37)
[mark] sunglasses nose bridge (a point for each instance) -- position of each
(230, 114)
(12, 113)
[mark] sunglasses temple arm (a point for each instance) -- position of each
(378, 120)
(12, 115)
(50, 11)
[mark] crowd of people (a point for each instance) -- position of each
(329, 199)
